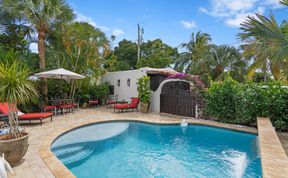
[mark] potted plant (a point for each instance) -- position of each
(15, 89)
(144, 93)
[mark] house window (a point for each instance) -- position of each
(118, 83)
(111, 89)
(128, 82)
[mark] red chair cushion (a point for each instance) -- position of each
(66, 106)
(121, 106)
(50, 107)
(111, 102)
(93, 102)
(134, 102)
(30, 116)
(4, 109)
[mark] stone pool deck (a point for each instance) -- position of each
(39, 162)
(274, 160)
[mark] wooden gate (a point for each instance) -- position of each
(176, 98)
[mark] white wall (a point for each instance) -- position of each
(124, 91)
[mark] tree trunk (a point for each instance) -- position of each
(42, 63)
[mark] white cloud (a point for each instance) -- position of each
(83, 18)
(117, 32)
(188, 24)
(234, 12)
(236, 20)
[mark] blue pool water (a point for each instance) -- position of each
(132, 149)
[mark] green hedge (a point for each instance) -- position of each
(238, 103)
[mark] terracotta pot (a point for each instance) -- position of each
(14, 149)
(145, 107)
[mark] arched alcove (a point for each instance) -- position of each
(176, 88)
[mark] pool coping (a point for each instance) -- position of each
(274, 161)
(60, 170)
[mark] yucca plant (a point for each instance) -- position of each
(15, 88)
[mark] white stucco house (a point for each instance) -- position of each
(168, 95)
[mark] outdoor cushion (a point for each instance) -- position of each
(134, 102)
(30, 116)
(4, 108)
(24, 116)
(121, 106)
(65, 106)
(93, 102)
(50, 107)
(111, 102)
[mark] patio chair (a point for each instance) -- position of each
(93, 102)
(50, 108)
(4, 109)
(112, 100)
(130, 106)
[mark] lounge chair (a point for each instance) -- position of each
(130, 106)
(26, 116)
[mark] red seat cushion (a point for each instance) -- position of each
(121, 106)
(50, 107)
(35, 115)
(93, 102)
(111, 102)
(4, 108)
(134, 102)
(66, 106)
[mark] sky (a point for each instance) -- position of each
(173, 21)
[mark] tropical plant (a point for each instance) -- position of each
(126, 54)
(79, 47)
(143, 88)
(41, 16)
(195, 48)
(223, 58)
(15, 89)
(268, 42)
(157, 54)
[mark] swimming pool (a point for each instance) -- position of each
(134, 149)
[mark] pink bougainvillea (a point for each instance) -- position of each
(194, 78)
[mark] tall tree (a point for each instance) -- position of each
(126, 53)
(224, 58)
(41, 16)
(12, 34)
(195, 48)
(81, 48)
(157, 54)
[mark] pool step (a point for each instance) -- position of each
(73, 154)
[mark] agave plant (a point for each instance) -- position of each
(15, 89)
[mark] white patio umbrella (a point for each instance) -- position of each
(60, 73)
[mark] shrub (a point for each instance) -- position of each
(237, 103)
(143, 88)
(221, 100)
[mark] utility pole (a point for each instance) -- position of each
(139, 41)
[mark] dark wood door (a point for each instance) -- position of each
(176, 98)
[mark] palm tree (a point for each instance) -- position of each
(221, 58)
(268, 41)
(195, 49)
(41, 16)
(15, 89)
(85, 48)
